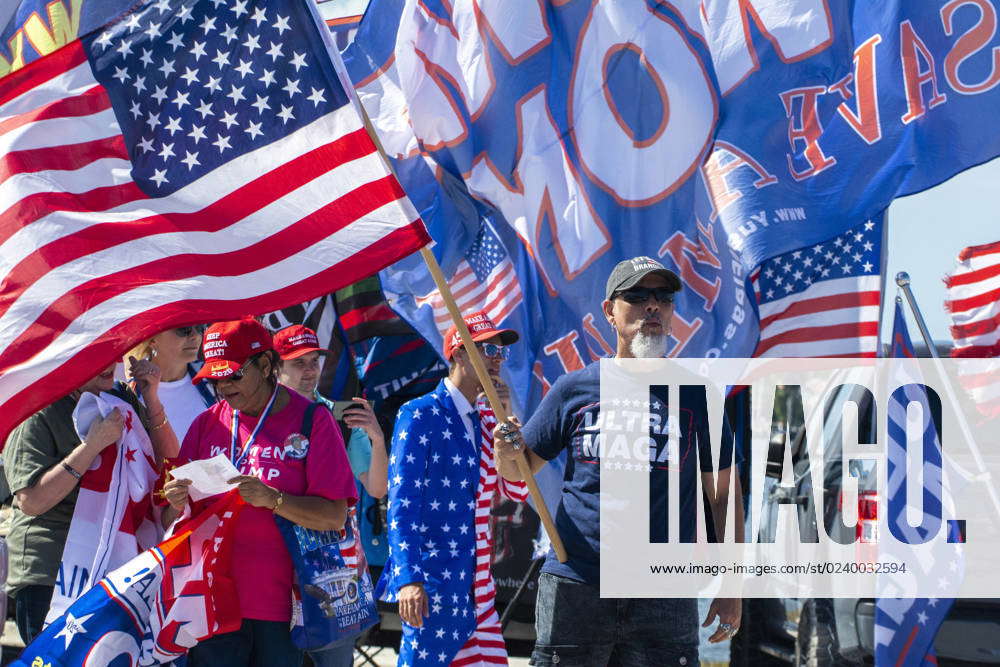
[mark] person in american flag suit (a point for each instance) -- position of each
(442, 479)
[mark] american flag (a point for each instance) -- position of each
(973, 300)
(192, 161)
(484, 280)
(822, 300)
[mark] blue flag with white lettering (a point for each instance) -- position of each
(905, 628)
(710, 134)
(153, 609)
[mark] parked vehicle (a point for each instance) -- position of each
(823, 632)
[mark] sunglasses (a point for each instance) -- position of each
(184, 332)
(642, 294)
(494, 351)
(237, 375)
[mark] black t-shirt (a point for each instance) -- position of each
(570, 417)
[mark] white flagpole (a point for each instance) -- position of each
(984, 477)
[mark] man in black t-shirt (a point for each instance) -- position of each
(573, 625)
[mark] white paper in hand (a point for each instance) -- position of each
(208, 476)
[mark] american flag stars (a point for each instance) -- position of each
(822, 300)
(849, 255)
(205, 82)
(166, 140)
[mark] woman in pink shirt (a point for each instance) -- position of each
(305, 480)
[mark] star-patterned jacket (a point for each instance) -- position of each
(433, 475)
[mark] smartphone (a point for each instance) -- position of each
(340, 406)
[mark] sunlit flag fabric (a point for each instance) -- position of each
(973, 301)
(484, 280)
(712, 135)
(905, 628)
(113, 518)
(191, 161)
(823, 300)
(154, 608)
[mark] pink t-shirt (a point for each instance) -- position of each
(282, 459)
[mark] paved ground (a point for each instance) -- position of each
(387, 658)
(381, 658)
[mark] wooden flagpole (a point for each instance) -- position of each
(491, 394)
(477, 363)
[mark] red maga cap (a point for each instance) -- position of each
(228, 345)
(482, 328)
(294, 341)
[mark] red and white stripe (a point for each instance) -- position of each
(973, 300)
(89, 264)
(499, 296)
(980, 378)
(350, 552)
(113, 519)
(831, 318)
(486, 645)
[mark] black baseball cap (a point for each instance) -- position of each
(628, 273)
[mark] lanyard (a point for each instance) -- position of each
(234, 430)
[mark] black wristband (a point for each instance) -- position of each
(71, 470)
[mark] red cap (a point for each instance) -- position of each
(482, 328)
(294, 341)
(228, 345)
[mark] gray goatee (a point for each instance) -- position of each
(648, 346)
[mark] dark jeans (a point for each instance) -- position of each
(341, 654)
(575, 627)
(255, 644)
(31, 604)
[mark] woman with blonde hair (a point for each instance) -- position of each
(175, 353)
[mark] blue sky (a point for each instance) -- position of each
(926, 233)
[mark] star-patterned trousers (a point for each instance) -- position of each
(449, 626)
